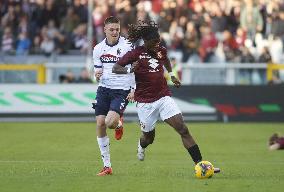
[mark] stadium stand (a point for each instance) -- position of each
(195, 31)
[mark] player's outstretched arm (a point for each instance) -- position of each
(118, 69)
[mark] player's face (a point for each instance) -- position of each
(152, 45)
(112, 31)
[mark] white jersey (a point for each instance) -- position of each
(105, 56)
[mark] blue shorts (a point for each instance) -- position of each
(110, 100)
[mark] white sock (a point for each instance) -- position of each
(140, 149)
(104, 148)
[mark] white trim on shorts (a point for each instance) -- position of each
(149, 113)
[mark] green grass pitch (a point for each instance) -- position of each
(64, 157)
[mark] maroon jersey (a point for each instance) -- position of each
(151, 84)
(280, 141)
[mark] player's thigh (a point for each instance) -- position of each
(102, 102)
(168, 108)
(118, 101)
(148, 116)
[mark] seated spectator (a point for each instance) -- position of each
(84, 77)
(265, 56)
(230, 46)
(190, 43)
(69, 77)
(276, 142)
(7, 41)
(54, 34)
(80, 38)
(47, 46)
(208, 44)
(23, 44)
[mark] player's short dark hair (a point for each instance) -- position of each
(111, 19)
(143, 29)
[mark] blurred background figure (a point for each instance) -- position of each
(276, 142)
(84, 77)
(69, 77)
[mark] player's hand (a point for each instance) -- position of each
(175, 81)
(134, 66)
(130, 97)
(98, 74)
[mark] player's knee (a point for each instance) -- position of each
(100, 124)
(111, 123)
(183, 131)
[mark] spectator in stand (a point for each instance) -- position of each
(218, 20)
(80, 38)
(190, 44)
(247, 56)
(246, 74)
(252, 16)
(208, 44)
(47, 46)
(10, 19)
(233, 19)
(35, 49)
(7, 43)
(240, 38)
(23, 44)
(277, 25)
(84, 77)
(81, 9)
(69, 24)
(54, 34)
(69, 77)
(230, 46)
(264, 57)
(49, 12)
(251, 19)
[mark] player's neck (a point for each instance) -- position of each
(112, 42)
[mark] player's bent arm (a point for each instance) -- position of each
(118, 69)
(168, 66)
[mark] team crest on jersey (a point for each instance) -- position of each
(142, 125)
(108, 58)
(118, 51)
(159, 55)
(154, 63)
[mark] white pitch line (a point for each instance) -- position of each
(45, 161)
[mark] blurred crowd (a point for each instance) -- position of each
(202, 30)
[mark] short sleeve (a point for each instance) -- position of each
(129, 57)
(96, 58)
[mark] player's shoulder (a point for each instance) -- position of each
(124, 40)
(100, 45)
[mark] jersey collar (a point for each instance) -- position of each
(113, 44)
